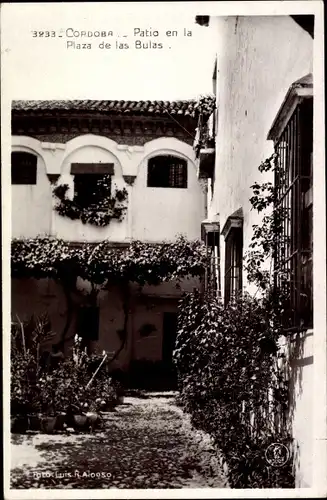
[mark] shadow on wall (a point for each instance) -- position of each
(298, 362)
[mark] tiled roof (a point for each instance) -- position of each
(280, 122)
(145, 108)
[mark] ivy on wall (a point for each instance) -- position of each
(203, 110)
(232, 364)
(103, 206)
(142, 263)
(101, 264)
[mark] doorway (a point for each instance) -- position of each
(169, 333)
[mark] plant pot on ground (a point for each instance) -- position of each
(80, 422)
(19, 424)
(34, 422)
(61, 422)
(48, 424)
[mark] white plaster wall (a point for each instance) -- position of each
(160, 214)
(112, 320)
(31, 204)
(153, 214)
(302, 424)
(258, 59)
(35, 297)
(150, 311)
(75, 230)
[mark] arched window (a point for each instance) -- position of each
(167, 171)
(23, 168)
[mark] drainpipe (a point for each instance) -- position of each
(206, 270)
(218, 265)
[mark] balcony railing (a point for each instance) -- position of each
(204, 147)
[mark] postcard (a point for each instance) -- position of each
(164, 283)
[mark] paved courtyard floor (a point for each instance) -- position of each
(146, 443)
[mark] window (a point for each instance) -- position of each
(92, 184)
(210, 235)
(23, 168)
(89, 189)
(167, 172)
(233, 264)
(293, 181)
(233, 232)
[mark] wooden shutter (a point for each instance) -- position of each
(92, 168)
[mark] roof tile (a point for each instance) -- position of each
(184, 108)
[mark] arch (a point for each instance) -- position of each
(89, 140)
(28, 145)
(23, 167)
(167, 146)
(167, 171)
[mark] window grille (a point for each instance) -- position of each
(167, 172)
(294, 218)
(23, 168)
(213, 259)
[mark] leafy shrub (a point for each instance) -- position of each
(38, 388)
(68, 385)
(26, 339)
(230, 383)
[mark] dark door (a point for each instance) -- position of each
(169, 337)
(88, 325)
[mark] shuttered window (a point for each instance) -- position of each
(167, 172)
(23, 168)
(233, 263)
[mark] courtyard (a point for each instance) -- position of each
(147, 442)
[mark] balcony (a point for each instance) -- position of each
(205, 149)
(207, 157)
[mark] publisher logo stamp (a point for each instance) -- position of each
(277, 454)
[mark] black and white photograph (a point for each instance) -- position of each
(164, 250)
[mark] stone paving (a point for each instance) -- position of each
(146, 443)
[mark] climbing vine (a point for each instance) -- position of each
(269, 233)
(101, 265)
(204, 105)
(202, 111)
(231, 362)
(102, 208)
